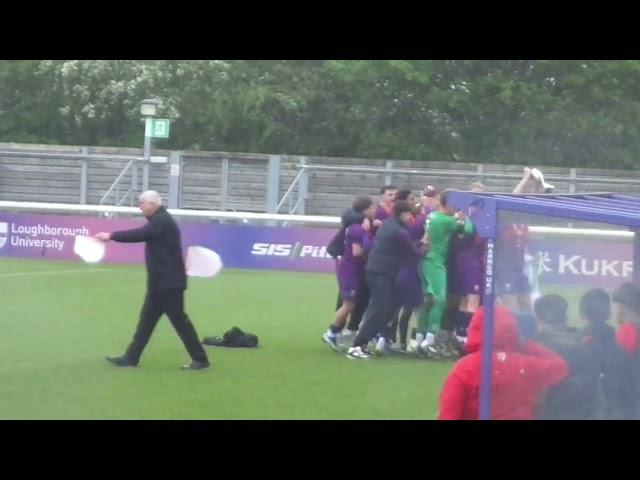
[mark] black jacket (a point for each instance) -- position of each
(163, 251)
(349, 217)
(580, 396)
(615, 368)
(392, 248)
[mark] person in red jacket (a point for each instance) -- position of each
(626, 302)
(521, 373)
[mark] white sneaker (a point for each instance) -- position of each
(413, 346)
(428, 347)
(430, 351)
(356, 353)
(330, 340)
(379, 348)
(428, 341)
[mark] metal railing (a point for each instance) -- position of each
(84, 157)
(295, 199)
(115, 186)
(301, 180)
(289, 195)
(478, 174)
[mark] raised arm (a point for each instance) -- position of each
(525, 179)
(367, 241)
(142, 234)
(464, 225)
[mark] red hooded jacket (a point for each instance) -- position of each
(628, 337)
(521, 373)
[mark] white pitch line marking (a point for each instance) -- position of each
(52, 272)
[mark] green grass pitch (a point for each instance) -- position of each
(59, 320)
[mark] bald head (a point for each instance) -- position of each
(149, 202)
(477, 187)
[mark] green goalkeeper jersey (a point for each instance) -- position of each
(440, 227)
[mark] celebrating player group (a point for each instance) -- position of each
(417, 256)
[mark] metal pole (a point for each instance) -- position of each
(224, 184)
(134, 182)
(147, 153)
(303, 187)
(273, 183)
(487, 338)
(572, 180)
(83, 176)
(636, 256)
(388, 176)
(175, 172)
(480, 173)
(181, 181)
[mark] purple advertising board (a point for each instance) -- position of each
(556, 260)
(240, 246)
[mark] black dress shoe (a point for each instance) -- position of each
(120, 362)
(195, 366)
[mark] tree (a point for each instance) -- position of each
(570, 113)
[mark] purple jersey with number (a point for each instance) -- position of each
(350, 269)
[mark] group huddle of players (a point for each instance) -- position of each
(418, 255)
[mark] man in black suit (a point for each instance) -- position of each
(166, 282)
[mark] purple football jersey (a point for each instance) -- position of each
(382, 213)
(351, 269)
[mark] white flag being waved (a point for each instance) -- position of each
(90, 249)
(202, 262)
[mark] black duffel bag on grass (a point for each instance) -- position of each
(234, 338)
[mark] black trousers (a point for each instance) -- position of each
(171, 303)
(380, 309)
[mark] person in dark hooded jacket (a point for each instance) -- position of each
(613, 362)
(580, 396)
(626, 310)
(626, 303)
(336, 250)
(521, 373)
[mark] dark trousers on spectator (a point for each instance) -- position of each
(171, 303)
(380, 309)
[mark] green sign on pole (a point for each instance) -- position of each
(160, 128)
